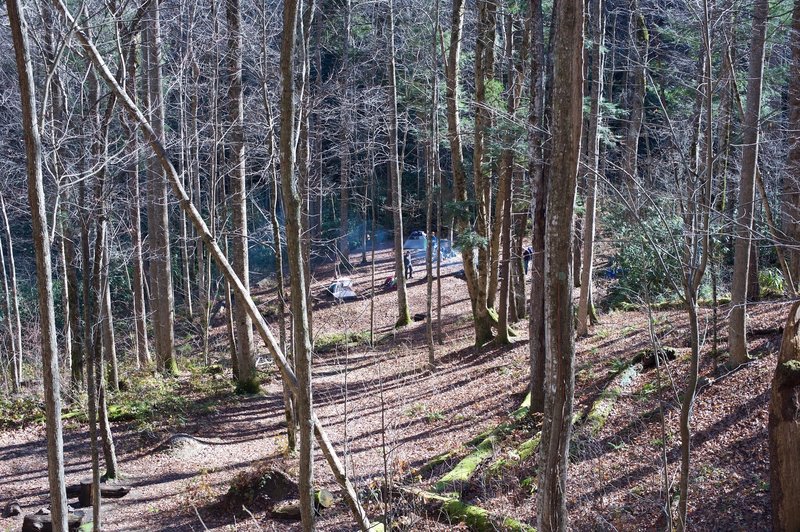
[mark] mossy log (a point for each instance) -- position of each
(602, 407)
(784, 429)
(484, 449)
(452, 509)
(524, 451)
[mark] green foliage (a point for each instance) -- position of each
(470, 240)
(150, 398)
(644, 251)
(18, 411)
(248, 387)
(771, 282)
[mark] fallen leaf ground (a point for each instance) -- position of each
(388, 413)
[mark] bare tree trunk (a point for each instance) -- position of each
(99, 293)
(142, 347)
(737, 336)
(344, 147)
(158, 221)
(791, 182)
(403, 313)
(13, 366)
(274, 156)
(598, 29)
(107, 318)
(247, 379)
(784, 429)
(539, 188)
(559, 318)
(16, 332)
(520, 222)
(484, 71)
(44, 278)
(637, 89)
(294, 226)
(461, 222)
(431, 182)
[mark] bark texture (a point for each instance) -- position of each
(784, 429)
(44, 273)
(737, 336)
(559, 330)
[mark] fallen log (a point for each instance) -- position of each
(107, 491)
(43, 522)
(450, 509)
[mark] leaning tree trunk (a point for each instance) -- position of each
(737, 336)
(559, 333)
(784, 429)
(44, 273)
(159, 150)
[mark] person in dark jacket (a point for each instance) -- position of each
(527, 255)
(408, 265)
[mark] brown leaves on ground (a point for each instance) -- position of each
(388, 413)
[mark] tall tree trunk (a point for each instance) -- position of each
(109, 342)
(539, 188)
(505, 188)
(791, 182)
(461, 222)
(16, 332)
(343, 255)
(697, 250)
(98, 354)
(44, 277)
(158, 220)
(598, 29)
(403, 313)
(294, 246)
(637, 82)
(241, 264)
(274, 156)
(13, 367)
(559, 318)
(484, 71)
(142, 347)
(737, 336)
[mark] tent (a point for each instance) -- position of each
(342, 289)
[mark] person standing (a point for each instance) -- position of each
(408, 264)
